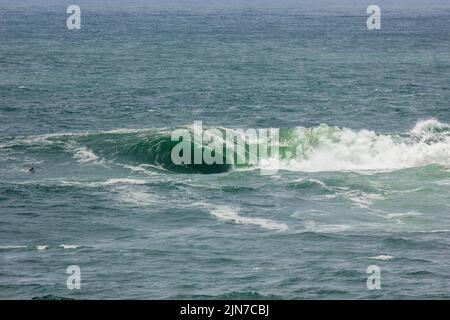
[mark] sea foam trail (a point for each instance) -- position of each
(69, 246)
(382, 257)
(5, 247)
(229, 214)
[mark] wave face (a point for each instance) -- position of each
(148, 147)
(321, 148)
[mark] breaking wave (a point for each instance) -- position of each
(321, 148)
(326, 148)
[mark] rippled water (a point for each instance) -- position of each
(365, 159)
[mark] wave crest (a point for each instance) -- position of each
(320, 148)
(326, 148)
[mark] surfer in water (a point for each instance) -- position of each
(31, 170)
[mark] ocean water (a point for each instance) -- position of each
(364, 177)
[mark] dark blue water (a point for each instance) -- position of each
(364, 117)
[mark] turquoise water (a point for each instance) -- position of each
(364, 174)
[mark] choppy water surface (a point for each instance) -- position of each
(364, 173)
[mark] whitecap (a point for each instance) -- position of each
(69, 246)
(229, 214)
(312, 226)
(121, 181)
(12, 247)
(443, 183)
(403, 214)
(137, 197)
(382, 257)
(360, 198)
(84, 154)
(326, 148)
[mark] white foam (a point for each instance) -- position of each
(84, 154)
(382, 257)
(301, 214)
(137, 197)
(229, 214)
(327, 148)
(403, 214)
(37, 140)
(428, 126)
(434, 231)
(362, 199)
(143, 169)
(124, 130)
(69, 246)
(312, 226)
(122, 181)
(12, 247)
(41, 248)
(443, 183)
(108, 182)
